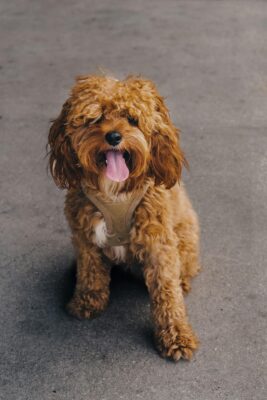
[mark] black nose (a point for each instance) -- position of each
(113, 138)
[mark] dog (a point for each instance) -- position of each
(117, 152)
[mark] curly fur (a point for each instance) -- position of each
(164, 236)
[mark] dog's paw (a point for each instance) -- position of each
(176, 341)
(87, 305)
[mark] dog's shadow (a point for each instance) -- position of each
(123, 284)
(128, 312)
(48, 337)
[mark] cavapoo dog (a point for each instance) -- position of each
(116, 151)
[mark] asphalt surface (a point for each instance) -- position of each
(209, 59)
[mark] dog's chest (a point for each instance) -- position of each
(114, 253)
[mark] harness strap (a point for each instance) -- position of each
(117, 215)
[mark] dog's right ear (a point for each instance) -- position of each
(63, 162)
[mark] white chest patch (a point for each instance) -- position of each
(115, 253)
(119, 253)
(100, 234)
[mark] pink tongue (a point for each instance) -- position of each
(117, 169)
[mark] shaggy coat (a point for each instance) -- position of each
(164, 234)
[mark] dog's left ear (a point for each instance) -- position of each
(167, 158)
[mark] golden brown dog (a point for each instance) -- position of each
(117, 152)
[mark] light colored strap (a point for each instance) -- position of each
(117, 215)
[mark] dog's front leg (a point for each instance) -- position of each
(173, 334)
(91, 293)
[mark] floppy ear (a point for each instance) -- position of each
(167, 158)
(63, 162)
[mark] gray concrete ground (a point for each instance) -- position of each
(209, 58)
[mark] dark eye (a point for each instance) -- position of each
(132, 121)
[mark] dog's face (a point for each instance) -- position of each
(115, 130)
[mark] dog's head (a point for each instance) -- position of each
(119, 130)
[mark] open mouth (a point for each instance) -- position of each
(117, 164)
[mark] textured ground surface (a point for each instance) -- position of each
(209, 58)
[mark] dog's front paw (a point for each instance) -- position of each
(87, 304)
(176, 341)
